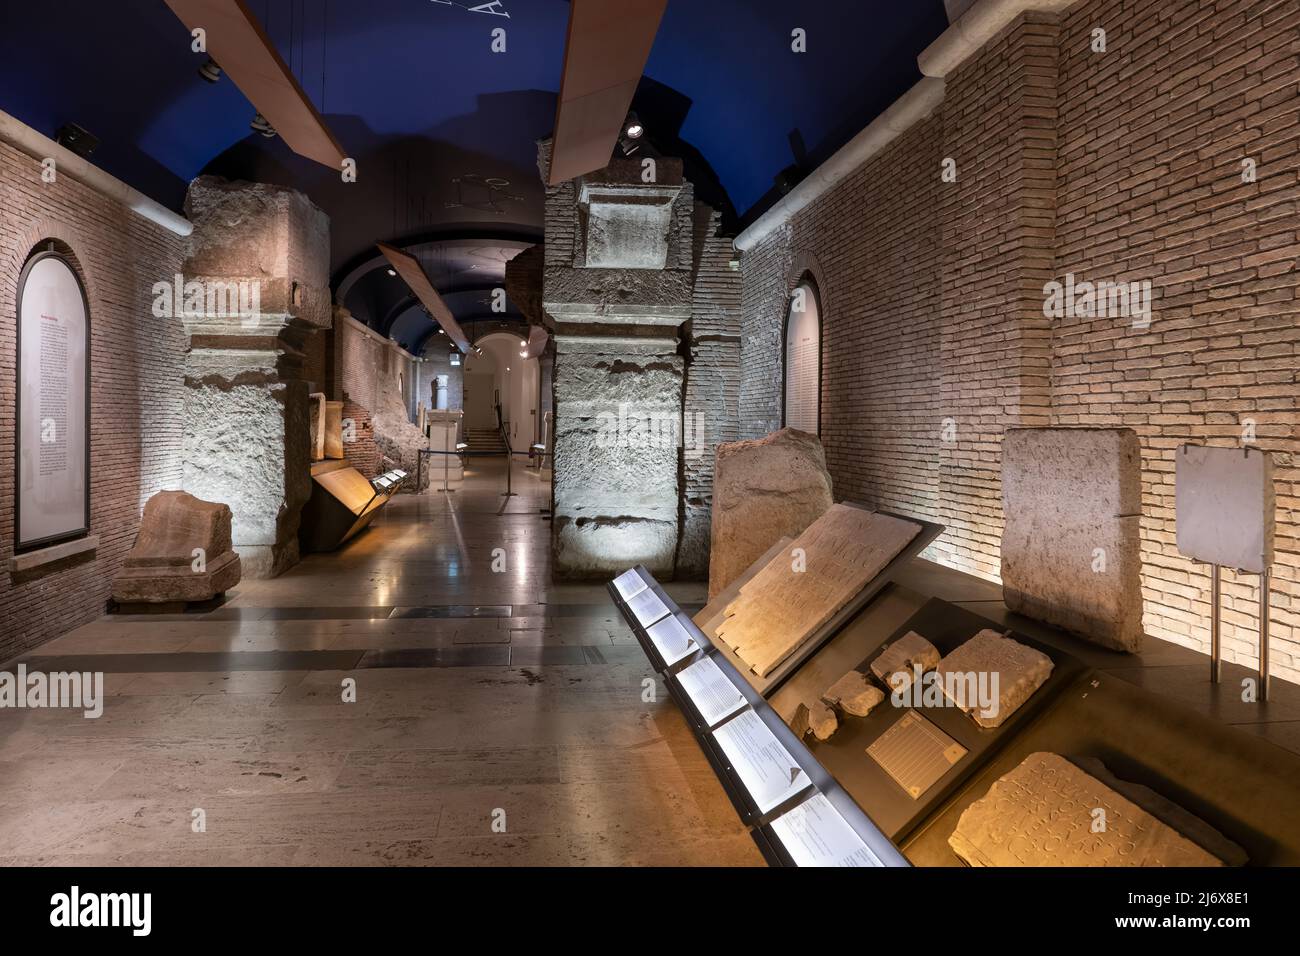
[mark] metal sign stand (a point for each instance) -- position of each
(1216, 666)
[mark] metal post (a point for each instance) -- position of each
(1215, 666)
(1263, 635)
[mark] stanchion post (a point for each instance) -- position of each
(1216, 670)
(1264, 578)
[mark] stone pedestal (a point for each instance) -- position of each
(246, 408)
(444, 433)
(183, 553)
(615, 297)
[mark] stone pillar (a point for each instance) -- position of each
(616, 286)
(256, 287)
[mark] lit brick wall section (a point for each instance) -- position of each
(880, 295)
(135, 383)
(1124, 165)
(712, 386)
(999, 117)
(1153, 134)
(365, 360)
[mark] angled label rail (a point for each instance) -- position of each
(797, 813)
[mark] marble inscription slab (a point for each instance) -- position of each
(1020, 671)
(803, 587)
(1044, 813)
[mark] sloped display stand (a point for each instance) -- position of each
(343, 502)
(834, 803)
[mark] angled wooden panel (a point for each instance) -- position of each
(412, 273)
(604, 56)
(246, 54)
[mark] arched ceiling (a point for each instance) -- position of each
(443, 129)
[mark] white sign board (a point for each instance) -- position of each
(1224, 506)
(767, 770)
(53, 458)
(710, 690)
(647, 607)
(629, 583)
(673, 639)
(814, 834)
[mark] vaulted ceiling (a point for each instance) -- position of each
(443, 129)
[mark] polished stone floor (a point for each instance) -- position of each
(499, 717)
(487, 700)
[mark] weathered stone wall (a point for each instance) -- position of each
(135, 387)
(1123, 166)
(382, 378)
(246, 411)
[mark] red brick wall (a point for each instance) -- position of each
(1123, 165)
(135, 386)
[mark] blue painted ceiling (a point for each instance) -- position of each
(413, 91)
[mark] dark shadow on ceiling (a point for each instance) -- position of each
(407, 185)
(662, 111)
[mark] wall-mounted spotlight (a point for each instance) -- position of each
(392, 272)
(260, 125)
(209, 71)
(630, 139)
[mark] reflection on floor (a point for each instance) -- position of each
(484, 699)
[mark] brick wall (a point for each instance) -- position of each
(711, 390)
(135, 386)
(1123, 165)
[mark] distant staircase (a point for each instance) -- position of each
(484, 440)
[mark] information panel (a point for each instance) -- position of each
(711, 691)
(769, 773)
(53, 460)
(672, 639)
(629, 583)
(647, 607)
(814, 834)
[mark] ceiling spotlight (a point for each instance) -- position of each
(209, 71)
(392, 272)
(442, 331)
(260, 125)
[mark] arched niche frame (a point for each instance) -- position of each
(53, 365)
(801, 344)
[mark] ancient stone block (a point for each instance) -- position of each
(271, 235)
(1020, 670)
(183, 553)
(1043, 813)
(899, 663)
(1070, 549)
(246, 415)
(797, 592)
(817, 718)
(617, 435)
(853, 694)
(763, 490)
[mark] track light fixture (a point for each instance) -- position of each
(209, 71)
(630, 139)
(260, 125)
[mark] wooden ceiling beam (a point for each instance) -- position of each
(236, 41)
(605, 54)
(413, 274)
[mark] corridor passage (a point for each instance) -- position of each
(486, 701)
